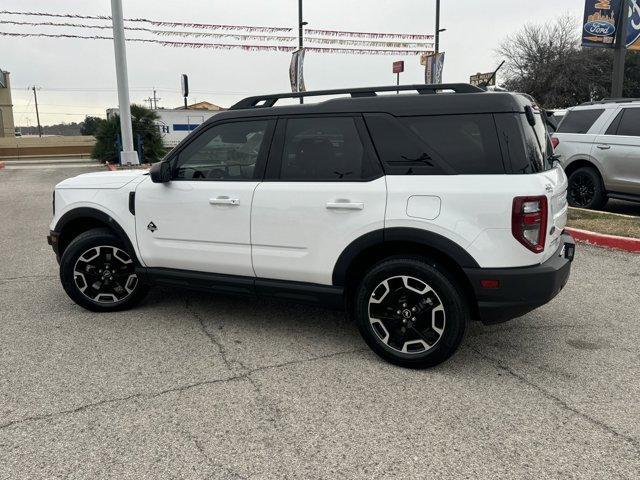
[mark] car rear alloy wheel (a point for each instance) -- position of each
(105, 274)
(411, 311)
(406, 314)
(586, 189)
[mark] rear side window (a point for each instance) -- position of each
(468, 143)
(630, 123)
(579, 121)
(324, 149)
(399, 149)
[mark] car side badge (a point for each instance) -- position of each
(152, 227)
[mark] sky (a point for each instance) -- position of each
(77, 77)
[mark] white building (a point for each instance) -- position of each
(175, 124)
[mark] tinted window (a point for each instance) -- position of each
(630, 123)
(224, 152)
(399, 149)
(579, 121)
(323, 149)
(613, 128)
(468, 143)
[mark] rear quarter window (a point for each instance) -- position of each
(579, 121)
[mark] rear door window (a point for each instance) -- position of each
(325, 149)
(468, 143)
(579, 121)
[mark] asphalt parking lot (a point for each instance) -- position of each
(193, 386)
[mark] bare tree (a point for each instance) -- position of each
(547, 62)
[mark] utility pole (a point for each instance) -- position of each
(155, 100)
(301, 25)
(437, 42)
(128, 154)
(620, 52)
(35, 98)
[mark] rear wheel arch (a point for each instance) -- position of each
(80, 220)
(375, 247)
(580, 163)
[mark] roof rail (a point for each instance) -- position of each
(604, 101)
(265, 101)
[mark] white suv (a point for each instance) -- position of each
(598, 143)
(416, 212)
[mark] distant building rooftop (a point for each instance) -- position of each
(202, 106)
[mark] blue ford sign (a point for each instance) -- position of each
(600, 29)
(600, 19)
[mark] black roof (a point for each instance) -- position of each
(469, 100)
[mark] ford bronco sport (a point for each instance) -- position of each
(417, 212)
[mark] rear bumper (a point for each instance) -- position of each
(522, 289)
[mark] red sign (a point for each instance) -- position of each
(398, 67)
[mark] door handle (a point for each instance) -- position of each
(345, 205)
(224, 201)
(604, 147)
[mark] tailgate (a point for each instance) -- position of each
(556, 187)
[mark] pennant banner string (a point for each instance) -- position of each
(234, 36)
(208, 26)
(225, 46)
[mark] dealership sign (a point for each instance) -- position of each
(633, 29)
(600, 20)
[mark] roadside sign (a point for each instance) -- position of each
(184, 81)
(482, 79)
(599, 24)
(398, 66)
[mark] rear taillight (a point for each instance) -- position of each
(529, 222)
(555, 142)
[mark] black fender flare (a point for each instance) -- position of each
(399, 234)
(102, 217)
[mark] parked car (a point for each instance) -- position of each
(554, 117)
(598, 143)
(416, 212)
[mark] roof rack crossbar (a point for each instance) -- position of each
(265, 101)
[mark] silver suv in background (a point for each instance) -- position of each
(598, 144)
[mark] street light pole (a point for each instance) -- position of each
(128, 154)
(437, 39)
(620, 52)
(301, 25)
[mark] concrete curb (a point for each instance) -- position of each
(603, 240)
(112, 167)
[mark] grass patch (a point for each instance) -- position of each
(602, 222)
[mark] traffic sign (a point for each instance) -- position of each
(398, 66)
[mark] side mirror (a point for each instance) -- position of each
(160, 172)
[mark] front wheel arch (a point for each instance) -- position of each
(80, 220)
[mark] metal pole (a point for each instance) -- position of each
(128, 154)
(300, 32)
(35, 98)
(437, 40)
(398, 82)
(617, 77)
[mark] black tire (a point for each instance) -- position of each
(122, 289)
(453, 321)
(586, 189)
